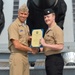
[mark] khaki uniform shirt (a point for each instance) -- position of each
(18, 32)
(53, 35)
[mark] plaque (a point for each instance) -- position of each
(36, 36)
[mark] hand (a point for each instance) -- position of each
(34, 50)
(42, 41)
(41, 49)
(30, 38)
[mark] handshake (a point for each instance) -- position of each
(38, 48)
(36, 40)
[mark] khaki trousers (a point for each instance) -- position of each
(19, 64)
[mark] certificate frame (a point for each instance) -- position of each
(37, 34)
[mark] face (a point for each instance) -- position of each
(22, 16)
(49, 19)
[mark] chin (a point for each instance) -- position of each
(22, 21)
(48, 23)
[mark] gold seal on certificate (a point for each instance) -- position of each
(36, 36)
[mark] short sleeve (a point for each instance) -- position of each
(13, 32)
(59, 36)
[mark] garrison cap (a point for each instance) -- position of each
(48, 11)
(24, 8)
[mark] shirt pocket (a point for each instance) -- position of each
(49, 39)
(21, 33)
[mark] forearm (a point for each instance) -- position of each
(20, 46)
(54, 46)
(24, 48)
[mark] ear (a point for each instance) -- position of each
(54, 16)
(28, 14)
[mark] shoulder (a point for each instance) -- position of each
(27, 26)
(13, 25)
(57, 30)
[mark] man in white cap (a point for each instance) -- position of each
(18, 36)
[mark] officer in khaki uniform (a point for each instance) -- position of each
(18, 36)
(53, 43)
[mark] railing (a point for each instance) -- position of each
(36, 61)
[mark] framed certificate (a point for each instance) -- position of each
(37, 34)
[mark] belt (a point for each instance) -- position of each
(19, 53)
(59, 54)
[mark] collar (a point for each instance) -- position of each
(19, 23)
(53, 26)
